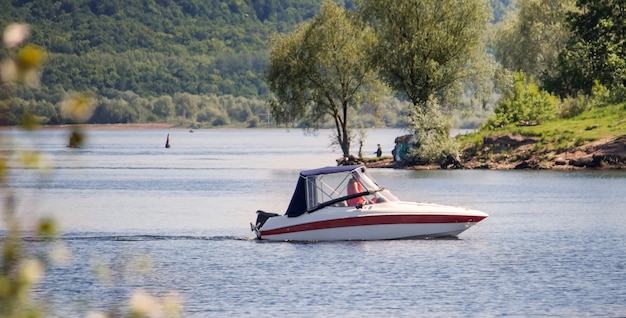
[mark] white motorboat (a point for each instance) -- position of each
(345, 203)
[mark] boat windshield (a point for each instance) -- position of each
(346, 188)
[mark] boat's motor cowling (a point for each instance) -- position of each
(262, 217)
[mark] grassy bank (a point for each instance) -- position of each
(596, 124)
(589, 140)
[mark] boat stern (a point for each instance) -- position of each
(261, 218)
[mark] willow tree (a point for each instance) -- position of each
(531, 38)
(321, 70)
(426, 50)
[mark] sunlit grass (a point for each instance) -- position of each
(595, 124)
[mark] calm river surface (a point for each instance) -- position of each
(554, 244)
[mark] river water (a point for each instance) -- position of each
(177, 219)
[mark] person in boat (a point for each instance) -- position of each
(354, 187)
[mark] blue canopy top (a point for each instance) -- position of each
(298, 205)
(329, 170)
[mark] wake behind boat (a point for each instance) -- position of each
(345, 203)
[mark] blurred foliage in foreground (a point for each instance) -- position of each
(19, 269)
(22, 266)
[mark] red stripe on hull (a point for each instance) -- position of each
(374, 220)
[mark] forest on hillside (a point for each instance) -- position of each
(138, 57)
(157, 47)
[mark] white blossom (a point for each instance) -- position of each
(78, 107)
(8, 71)
(31, 271)
(141, 303)
(15, 34)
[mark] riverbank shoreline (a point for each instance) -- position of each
(143, 126)
(514, 152)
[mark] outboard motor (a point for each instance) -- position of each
(262, 217)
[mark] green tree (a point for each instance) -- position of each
(432, 144)
(113, 111)
(186, 105)
(164, 107)
(321, 69)
(597, 50)
(531, 38)
(524, 103)
(427, 48)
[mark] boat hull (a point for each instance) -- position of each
(387, 221)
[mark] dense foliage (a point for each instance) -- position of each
(500, 8)
(426, 49)
(567, 45)
(524, 104)
(158, 47)
(530, 38)
(153, 48)
(575, 48)
(596, 51)
(130, 54)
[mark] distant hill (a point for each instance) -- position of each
(200, 62)
(156, 47)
